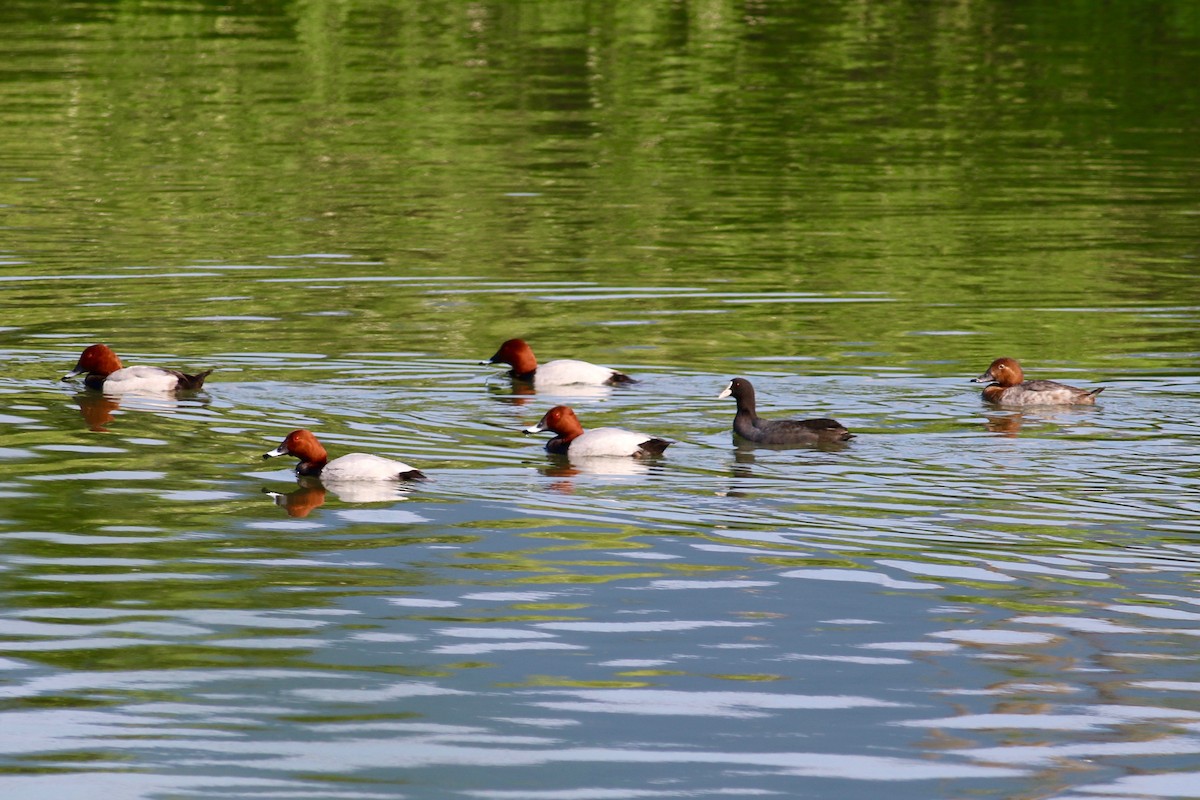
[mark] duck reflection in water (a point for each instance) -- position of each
(311, 493)
(1011, 423)
(601, 465)
(299, 502)
(741, 469)
(1004, 424)
(519, 393)
(743, 459)
(98, 409)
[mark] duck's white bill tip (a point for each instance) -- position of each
(725, 392)
(533, 429)
(278, 451)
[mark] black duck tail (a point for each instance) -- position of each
(619, 378)
(654, 447)
(192, 382)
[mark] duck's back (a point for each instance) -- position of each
(792, 431)
(367, 467)
(140, 379)
(565, 371)
(615, 442)
(1032, 393)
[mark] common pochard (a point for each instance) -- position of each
(1008, 387)
(104, 371)
(519, 355)
(573, 441)
(748, 425)
(314, 461)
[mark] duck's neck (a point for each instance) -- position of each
(993, 392)
(747, 412)
(311, 468)
(745, 424)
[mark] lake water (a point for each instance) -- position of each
(343, 206)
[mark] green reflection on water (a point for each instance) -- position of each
(934, 155)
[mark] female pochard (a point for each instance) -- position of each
(104, 371)
(573, 441)
(1008, 387)
(314, 461)
(519, 355)
(748, 425)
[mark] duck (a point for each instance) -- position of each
(1008, 387)
(748, 425)
(561, 372)
(573, 441)
(102, 370)
(314, 462)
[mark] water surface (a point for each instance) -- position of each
(342, 208)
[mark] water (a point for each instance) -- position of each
(343, 207)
